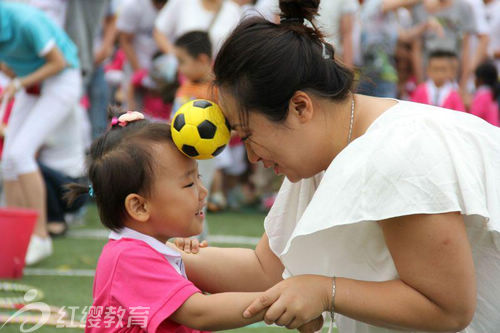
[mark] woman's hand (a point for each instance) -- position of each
(189, 245)
(313, 326)
(295, 301)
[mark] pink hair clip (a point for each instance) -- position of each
(126, 118)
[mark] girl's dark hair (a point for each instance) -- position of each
(487, 74)
(120, 162)
(262, 64)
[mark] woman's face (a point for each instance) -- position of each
(283, 146)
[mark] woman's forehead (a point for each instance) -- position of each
(229, 108)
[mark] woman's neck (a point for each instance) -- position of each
(366, 110)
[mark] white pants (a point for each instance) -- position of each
(30, 124)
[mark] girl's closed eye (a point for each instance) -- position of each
(192, 183)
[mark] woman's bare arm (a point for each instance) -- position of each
(435, 291)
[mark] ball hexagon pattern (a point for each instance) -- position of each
(200, 130)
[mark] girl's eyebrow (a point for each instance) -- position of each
(189, 173)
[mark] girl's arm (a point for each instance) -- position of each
(229, 269)
(435, 291)
(216, 312)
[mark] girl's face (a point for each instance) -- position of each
(177, 196)
(285, 147)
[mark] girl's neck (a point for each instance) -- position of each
(145, 228)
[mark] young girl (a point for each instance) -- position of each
(484, 104)
(148, 192)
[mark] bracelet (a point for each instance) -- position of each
(17, 84)
(332, 310)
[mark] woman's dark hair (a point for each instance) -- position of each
(262, 64)
(195, 43)
(120, 162)
(487, 74)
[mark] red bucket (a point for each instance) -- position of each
(16, 227)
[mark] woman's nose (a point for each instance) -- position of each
(252, 157)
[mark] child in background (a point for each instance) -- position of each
(147, 192)
(438, 90)
(193, 51)
(194, 55)
(484, 104)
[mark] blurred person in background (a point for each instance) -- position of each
(484, 103)
(439, 90)
(217, 17)
(457, 24)
(267, 9)
(135, 24)
(336, 18)
(47, 87)
(380, 32)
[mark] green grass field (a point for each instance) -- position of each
(77, 255)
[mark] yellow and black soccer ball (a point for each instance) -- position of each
(200, 130)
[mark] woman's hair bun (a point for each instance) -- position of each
(299, 9)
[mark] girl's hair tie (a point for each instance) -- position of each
(126, 118)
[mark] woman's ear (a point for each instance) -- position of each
(137, 207)
(301, 106)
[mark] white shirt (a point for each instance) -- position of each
(181, 16)
(172, 256)
(414, 159)
(137, 17)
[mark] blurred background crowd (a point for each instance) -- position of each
(64, 62)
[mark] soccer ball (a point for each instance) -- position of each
(200, 130)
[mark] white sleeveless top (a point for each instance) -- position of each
(414, 159)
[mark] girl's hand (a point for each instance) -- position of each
(294, 302)
(190, 245)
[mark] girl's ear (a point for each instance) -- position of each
(137, 207)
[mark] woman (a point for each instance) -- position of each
(48, 87)
(389, 215)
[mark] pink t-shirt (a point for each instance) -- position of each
(446, 97)
(485, 106)
(136, 288)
